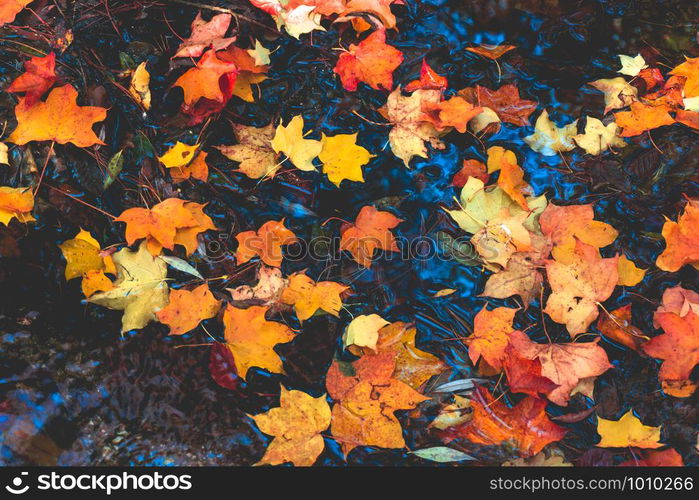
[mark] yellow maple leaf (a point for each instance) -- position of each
(550, 140)
(307, 296)
(82, 255)
(290, 141)
(627, 431)
(342, 158)
(363, 331)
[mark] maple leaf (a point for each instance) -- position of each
(367, 397)
(170, 222)
(521, 275)
(139, 87)
(690, 70)
(617, 326)
(524, 374)
(187, 309)
(185, 163)
(470, 168)
(251, 339)
(208, 86)
(265, 243)
(300, 20)
(627, 431)
(296, 426)
(139, 290)
(564, 364)
(491, 52)
(10, 8)
(643, 117)
(370, 231)
(563, 225)
(681, 240)
(206, 34)
(95, 281)
(491, 335)
(267, 291)
(249, 71)
(688, 118)
(410, 130)
(429, 80)
(372, 61)
(290, 141)
(631, 66)
(58, 119)
(83, 254)
(678, 347)
(525, 425)
(455, 112)
(453, 414)
(655, 458)
(577, 287)
(342, 158)
(307, 296)
(618, 93)
(254, 151)
(363, 331)
(511, 179)
(39, 76)
(505, 102)
(599, 137)
(629, 273)
(381, 9)
(16, 203)
(680, 301)
(550, 140)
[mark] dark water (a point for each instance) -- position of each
(72, 391)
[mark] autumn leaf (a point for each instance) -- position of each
(617, 326)
(681, 240)
(631, 66)
(599, 137)
(307, 296)
(678, 347)
(185, 163)
(577, 287)
(381, 9)
(565, 364)
(95, 281)
(254, 151)
(206, 34)
(629, 273)
(249, 71)
(83, 254)
(363, 332)
(268, 290)
(550, 140)
(655, 458)
(139, 88)
(525, 425)
(505, 102)
(370, 231)
(410, 129)
(643, 117)
(208, 85)
(367, 397)
(470, 168)
(454, 112)
(16, 203)
(58, 119)
(39, 76)
(690, 70)
(618, 93)
(627, 431)
(251, 338)
(680, 301)
(10, 8)
(140, 289)
(187, 309)
(296, 426)
(372, 61)
(265, 243)
(429, 80)
(290, 141)
(491, 335)
(491, 52)
(342, 158)
(524, 375)
(511, 178)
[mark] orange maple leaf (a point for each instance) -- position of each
(367, 396)
(681, 240)
(372, 61)
(251, 338)
(16, 203)
(39, 75)
(491, 335)
(429, 80)
(524, 374)
(505, 101)
(10, 8)
(690, 70)
(578, 286)
(454, 112)
(370, 231)
(617, 326)
(59, 119)
(206, 34)
(265, 243)
(526, 425)
(307, 296)
(643, 117)
(564, 364)
(187, 309)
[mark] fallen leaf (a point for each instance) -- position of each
(211, 80)
(39, 76)
(372, 61)
(454, 112)
(442, 454)
(629, 274)
(265, 243)
(618, 93)
(296, 426)
(139, 88)
(579, 286)
(267, 291)
(627, 431)
(303, 19)
(542, 459)
(184, 162)
(206, 34)
(680, 301)
(10, 8)
(491, 335)
(643, 117)
(363, 331)
(655, 458)
(470, 168)
(95, 281)
(524, 375)
(290, 141)
(491, 52)
(58, 119)
(186, 309)
(254, 151)
(599, 137)
(505, 102)
(550, 140)
(370, 231)
(251, 339)
(617, 326)
(511, 179)
(429, 80)
(140, 289)
(307, 296)
(342, 158)
(16, 203)
(690, 70)
(82, 255)
(681, 240)
(453, 414)
(631, 66)
(249, 72)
